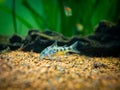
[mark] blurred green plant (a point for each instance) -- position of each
(69, 17)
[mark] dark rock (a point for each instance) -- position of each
(105, 41)
(33, 31)
(103, 27)
(37, 45)
(106, 32)
(3, 47)
(14, 46)
(32, 35)
(15, 39)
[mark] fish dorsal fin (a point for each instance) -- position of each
(74, 47)
(74, 44)
(54, 44)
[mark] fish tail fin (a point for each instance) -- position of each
(74, 47)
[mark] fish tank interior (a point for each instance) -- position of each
(60, 44)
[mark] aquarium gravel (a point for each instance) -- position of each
(24, 70)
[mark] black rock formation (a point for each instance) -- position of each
(105, 41)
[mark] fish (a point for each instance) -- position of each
(54, 49)
(79, 26)
(68, 11)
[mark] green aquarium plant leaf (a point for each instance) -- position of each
(52, 14)
(69, 17)
(40, 21)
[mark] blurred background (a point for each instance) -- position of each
(69, 17)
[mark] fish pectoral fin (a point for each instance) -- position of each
(58, 58)
(66, 55)
(49, 56)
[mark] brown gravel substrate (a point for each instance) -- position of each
(23, 70)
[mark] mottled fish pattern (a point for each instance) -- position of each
(54, 49)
